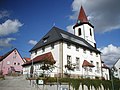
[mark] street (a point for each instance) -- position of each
(15, 83)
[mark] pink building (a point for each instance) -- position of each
(11, 62)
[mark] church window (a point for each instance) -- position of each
(68, 45)
(91, 53)
(77, 64)
(97, 65)
(68, 59)
(84, 50)
(79, 32)
(91, 62)
(77, 48)
(90, 32)
(96, 54)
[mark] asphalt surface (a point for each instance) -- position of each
(16, 83)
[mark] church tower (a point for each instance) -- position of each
(84, 29)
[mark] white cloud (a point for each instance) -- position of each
(4, 14)
(110, 54)
(104, 14)
(6, 42)
(32, 42)
(9, 27)
(70, 29)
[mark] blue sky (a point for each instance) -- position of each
(24, 22)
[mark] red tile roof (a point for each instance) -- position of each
(46, 58)
(87, 64)
(27, 59)
(82, 16)
(105, 66)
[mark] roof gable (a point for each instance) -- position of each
(8, 53)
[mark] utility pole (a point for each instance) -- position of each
(112, 78)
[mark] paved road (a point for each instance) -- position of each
(15, 83)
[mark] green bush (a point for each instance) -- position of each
(75, 83)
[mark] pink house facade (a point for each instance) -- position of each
(11, 62)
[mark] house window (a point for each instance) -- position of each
(68, 45)
(15, 52)
(35, 52)
(52, 46)
(43, 49)
(18, 63)
(68, 59)
(77, 64)
(14, 63)
(8, 62)
(97, 64)
(84, 50)
(77, 48)
(79, 31)
(90, 32)
(14, 56)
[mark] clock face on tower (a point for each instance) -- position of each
(78, 21)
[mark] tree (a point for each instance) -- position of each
(70, 67)
(47, 66)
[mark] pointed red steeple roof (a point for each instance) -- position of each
(82, 16)
(82, 19)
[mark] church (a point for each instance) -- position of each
(75, 54)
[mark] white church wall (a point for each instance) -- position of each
(82, 56)
(48, 48)
(85, 33)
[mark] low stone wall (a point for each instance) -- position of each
(61, 86)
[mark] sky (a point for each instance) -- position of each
(24, 22)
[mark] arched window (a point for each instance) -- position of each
(90, 32)
(79, 32)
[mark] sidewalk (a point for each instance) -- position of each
(15, 83)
